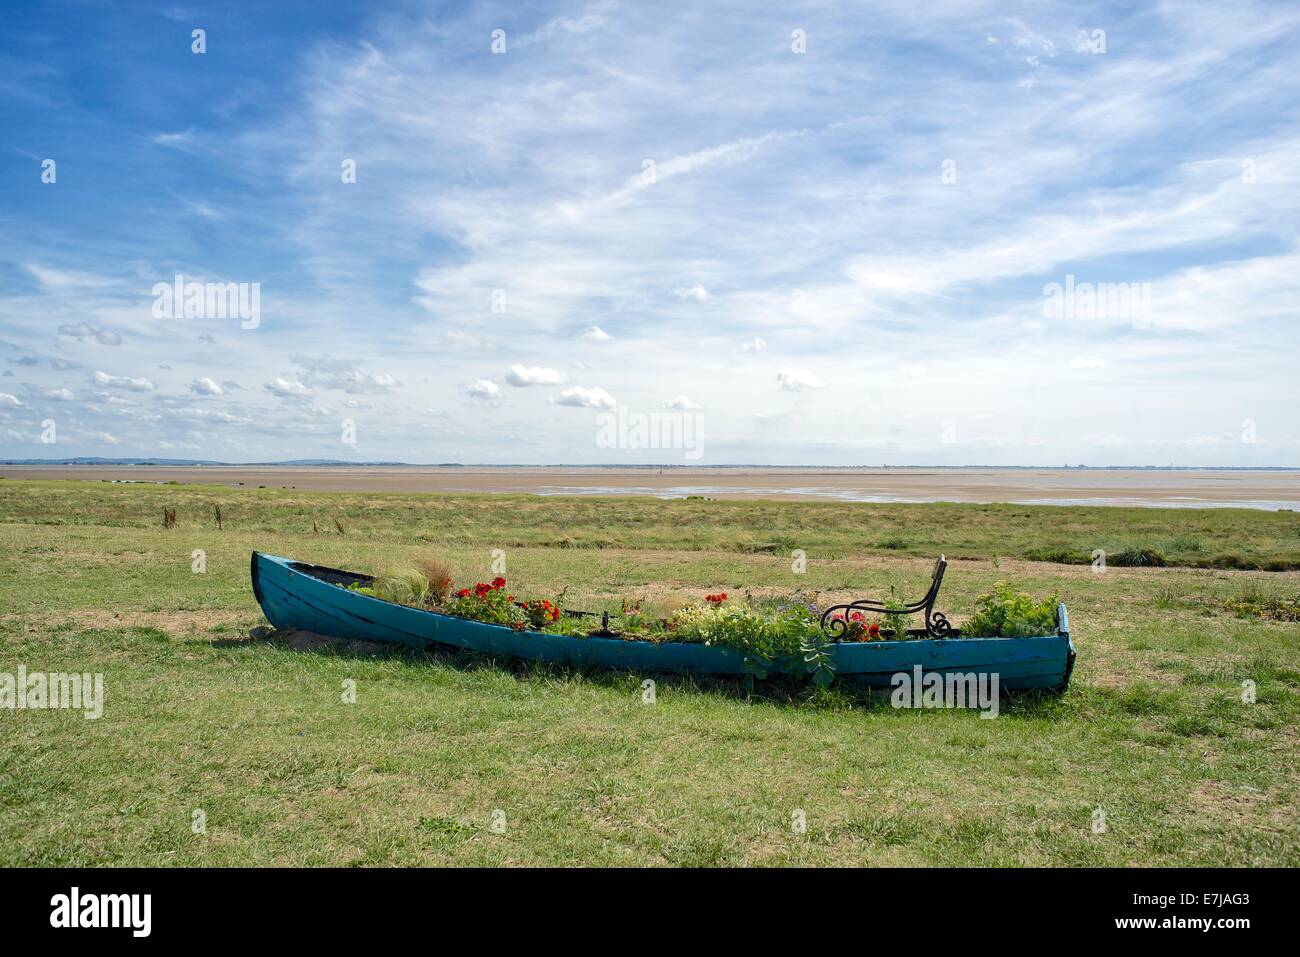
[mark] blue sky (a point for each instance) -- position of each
(835, 256)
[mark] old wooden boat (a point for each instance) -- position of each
(298, 595)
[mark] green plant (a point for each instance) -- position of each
(1139, 557)
(894, 621)
(818, 656)
(405, 587)
(541, 612)
(570, 626)
(1008, 614)
(771, 640)
(1058, 554)
(1266, 607)
(488, 603)
(1185, 543)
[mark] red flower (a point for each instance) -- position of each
(481, 589)
(856, 616)
(717, 599)
(462, 593)
(873, 631)
(498, 582)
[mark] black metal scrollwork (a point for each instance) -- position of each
(938, 626)
(837, 621)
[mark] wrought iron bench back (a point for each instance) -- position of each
(837, 620)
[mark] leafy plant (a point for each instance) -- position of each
(541, 612)
(894, 621)
(1009, 614)
(488, 602)
(641, 624)
(770, 640)
(818, 656)
(572, 627)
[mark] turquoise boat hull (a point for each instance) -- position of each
(296, 595)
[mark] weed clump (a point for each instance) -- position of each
(437, 575)
(1139, 557)
(405, 587)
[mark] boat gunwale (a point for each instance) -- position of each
(306, 568)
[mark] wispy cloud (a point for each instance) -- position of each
(672, 201)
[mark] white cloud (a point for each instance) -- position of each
(1088, 363)
(523, 376)
(529, 180)
(130, 383)
(484, 389)
(204, 210)
(287, 388)
(593, 398)
(205, 386)
(82, 331)
(326, 372)
(798, 380)
(183, 141)
(7, 399)
(67, 278)
(59, 395)
(681, 404)
(466, 340)
(596, 334)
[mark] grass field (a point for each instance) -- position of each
(250, 729)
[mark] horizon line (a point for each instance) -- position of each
(164, 462)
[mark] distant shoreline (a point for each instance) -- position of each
(1271, 489)
(80, 462)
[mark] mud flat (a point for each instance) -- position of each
(1167, 488)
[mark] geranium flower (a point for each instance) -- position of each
(464, 592)
(498, 582)
(873, 631)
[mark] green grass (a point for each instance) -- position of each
(253, 731)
